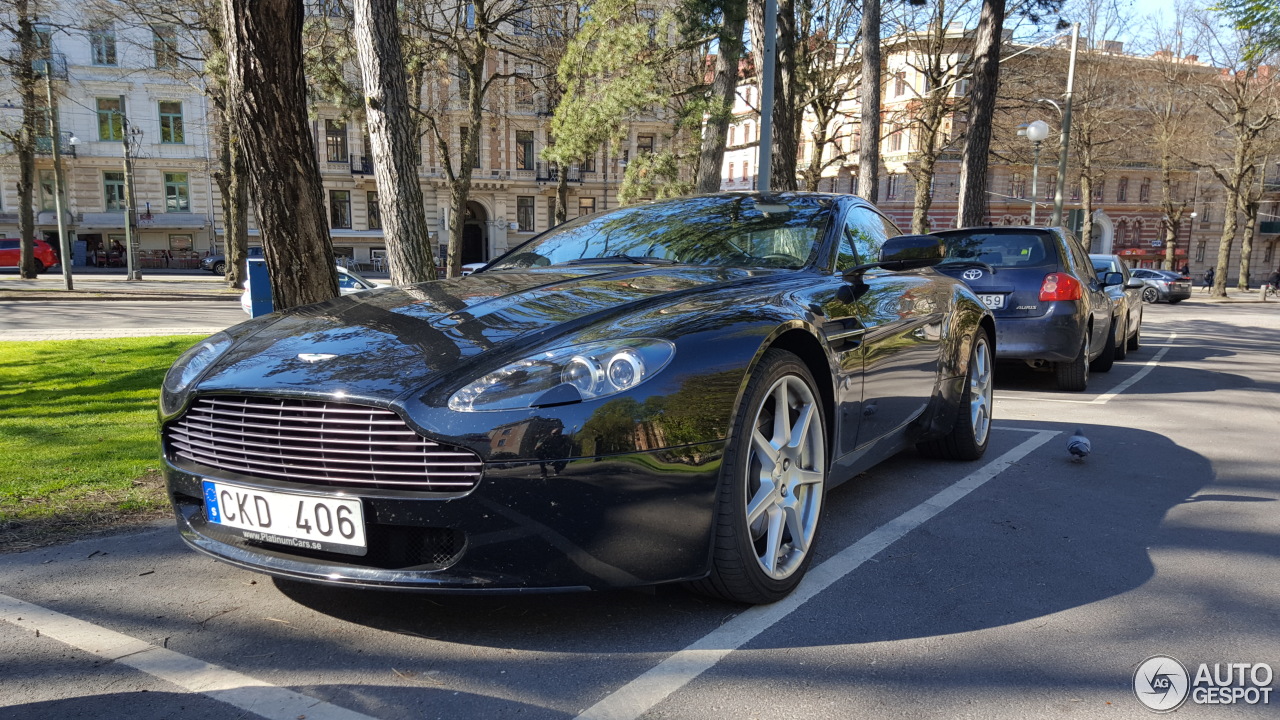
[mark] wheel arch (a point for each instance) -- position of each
(800, 339)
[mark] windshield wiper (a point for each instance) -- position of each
(637, 259)
(968, 263)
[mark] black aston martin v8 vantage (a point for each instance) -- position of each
(654, 394)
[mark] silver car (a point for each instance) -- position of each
(1126, 298)
(1163, 285)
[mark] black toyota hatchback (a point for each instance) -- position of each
(1051, 309)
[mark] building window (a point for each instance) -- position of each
(1205, 216)
(46, 190)
(1200, 251)
(1017, 185)
(102, 45)
(586, 206)
(644, 144)
(1122, 190)
(746, 133)
(746, 171)
(1144, 191)
(891, 183)
(731, 141)
(113, 190)
(524, 149)
(164, 44)
(1075, 192)
(171, 130)
(900, 83)
(375, 213)
(177, 195)
(895, 140)
(551, 212)
(522, 21)
(110, 119)
(335, 141)
(181, 243)
(340, 209)
(1099, 190)
(731, 169)
(1051, 188)
(524, 213)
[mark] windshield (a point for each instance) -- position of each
(736, 231)
(999, 250)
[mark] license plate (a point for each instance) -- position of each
(313, 522)
(994, 302)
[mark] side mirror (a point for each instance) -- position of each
(912, 250)
(1134, 283)
(1112, 278)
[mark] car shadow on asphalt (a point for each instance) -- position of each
(1047, 535)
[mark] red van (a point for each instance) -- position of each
(11, 254)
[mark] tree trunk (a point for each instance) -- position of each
(924, 193)
(723, 91)
(1086, 209)
(982, 107)
(786, 123)
(24, 144)
(392, 135)
(460, 184)
(562, 197)
(236, 216)
(1172, 215)
(269, 95)
(1246, 243)
(1229, 224)
(1171, 225)
(869, 144)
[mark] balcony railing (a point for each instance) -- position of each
(361, 165)
(44, 146)
(550, 172)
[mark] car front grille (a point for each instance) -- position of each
(319, 443)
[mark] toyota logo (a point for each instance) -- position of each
(972, 274)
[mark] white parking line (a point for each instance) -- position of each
(638, 696)
(190, 674)
(1107, 397)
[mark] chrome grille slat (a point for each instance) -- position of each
(333, 444)
(281, 456)
(210, 431)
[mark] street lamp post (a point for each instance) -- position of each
(1036, 132)
(128, 134)
(59, 185)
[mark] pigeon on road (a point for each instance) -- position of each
(1079, 446)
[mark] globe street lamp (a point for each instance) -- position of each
(1036, 131)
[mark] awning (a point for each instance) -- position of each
(173, 221)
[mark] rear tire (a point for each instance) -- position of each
(971, 433)
(1103, 362)
(772, 482)
(1073, 375)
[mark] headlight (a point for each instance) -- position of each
(188, 367)
(566, 375)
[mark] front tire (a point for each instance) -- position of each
(1135, 341)
(39, 266)
(1073, 375)
(1122, 342)
(219, 268)
(772, 484)
(971, 433)
(1150, 294)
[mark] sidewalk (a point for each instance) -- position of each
(92, 283)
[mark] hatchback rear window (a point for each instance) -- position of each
(1001, 250)
(8, 244)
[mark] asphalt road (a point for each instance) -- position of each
(1020, 586)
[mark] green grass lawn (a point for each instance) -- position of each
(79, 447)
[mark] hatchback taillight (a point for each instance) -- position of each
(1059, 286)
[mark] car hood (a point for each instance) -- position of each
(383, 343)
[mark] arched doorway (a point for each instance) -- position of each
(475, 240)
(1104, 232)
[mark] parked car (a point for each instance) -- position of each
(11, 254)
(1050, 309)
(653, 394)
(348, 283)
(1163, 285)
(1126, 298)
(217, 264)
(471, 267)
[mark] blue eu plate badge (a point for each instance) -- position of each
(211, 502)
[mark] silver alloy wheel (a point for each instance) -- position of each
(785, 476)
(980, 391)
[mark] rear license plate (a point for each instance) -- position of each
(313, 522)
(994, 302)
